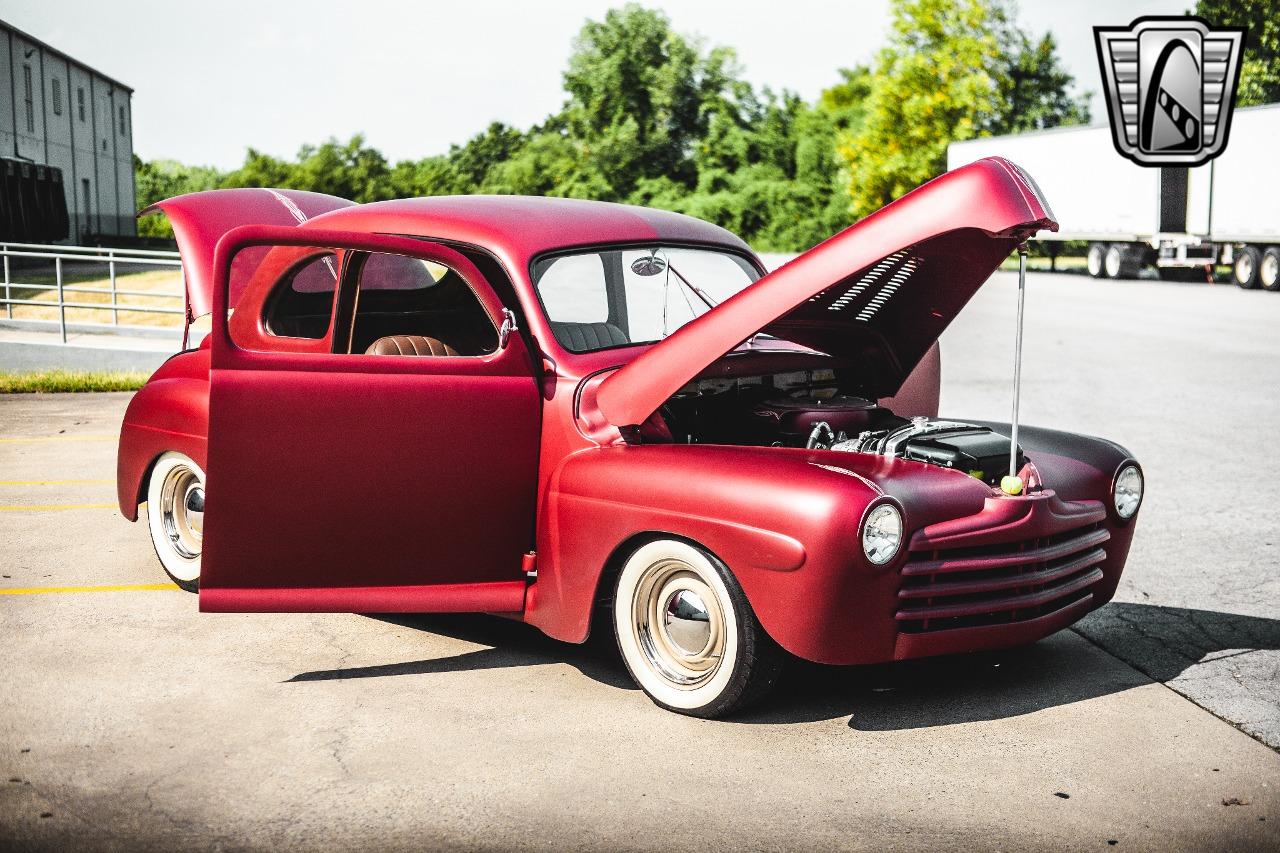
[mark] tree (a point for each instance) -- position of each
(160, 179)
(1035, 88)
(1260, 69)
(350, 170)
(953, 70)
(937, 81)
(639, 95)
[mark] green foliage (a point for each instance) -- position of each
(160, 179)
(1034, 88)
(937, 81)
(1260, 70)
(654, 118)
(953, 70)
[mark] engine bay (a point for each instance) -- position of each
(809, 409)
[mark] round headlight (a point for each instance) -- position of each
(1128, 496)
(882, 534)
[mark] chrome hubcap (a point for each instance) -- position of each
(182, 511)
(678, 624)
(686, 622)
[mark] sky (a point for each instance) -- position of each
(211, 79)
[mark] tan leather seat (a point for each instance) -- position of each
(409, 345)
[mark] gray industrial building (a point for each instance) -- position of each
(66, 145)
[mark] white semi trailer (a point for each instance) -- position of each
(1226, 212)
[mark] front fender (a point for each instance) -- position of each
(1077, 467)
(170, 412)
(785, 525)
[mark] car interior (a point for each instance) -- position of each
(391, 305)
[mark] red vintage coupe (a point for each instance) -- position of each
(549, 407)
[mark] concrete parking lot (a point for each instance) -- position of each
(128, 721)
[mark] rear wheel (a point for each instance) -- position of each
(1245, 269)
(1094, 259)
(688, 634)
(175, 516)
(1269, 269)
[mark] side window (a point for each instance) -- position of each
(281, 298)
(406, 306)
(302, 303)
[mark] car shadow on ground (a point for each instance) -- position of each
(1159, 642)
(1163, 642)
(511, 644)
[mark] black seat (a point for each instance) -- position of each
(581, 337)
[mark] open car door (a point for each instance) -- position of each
(373, 429)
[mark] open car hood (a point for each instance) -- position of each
(877, 295)
(200, 219)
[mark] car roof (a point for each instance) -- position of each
(519, 228)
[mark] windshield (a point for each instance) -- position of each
(616, 297)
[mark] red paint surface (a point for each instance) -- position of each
(506, 597)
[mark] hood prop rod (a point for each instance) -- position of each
(1012, 484)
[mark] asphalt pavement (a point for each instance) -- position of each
(128, 721)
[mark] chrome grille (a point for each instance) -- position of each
(999, 584)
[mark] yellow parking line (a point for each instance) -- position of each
(53, 482)
(137, 587)
(33, 439)
(53, 507)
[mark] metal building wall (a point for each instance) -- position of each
(90, 145)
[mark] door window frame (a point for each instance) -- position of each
(511, 358)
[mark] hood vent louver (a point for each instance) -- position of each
(875, 287)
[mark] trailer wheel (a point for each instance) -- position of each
(1120, 262)
(1094, 259)
(1245, 268)
(1269, 269)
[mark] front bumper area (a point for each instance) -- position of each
(1015, 572)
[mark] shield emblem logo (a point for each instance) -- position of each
(1170, 85)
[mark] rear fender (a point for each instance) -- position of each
(170, 412)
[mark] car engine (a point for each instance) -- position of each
(976, 450)
(809, 409)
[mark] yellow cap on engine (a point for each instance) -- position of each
(1011, 485)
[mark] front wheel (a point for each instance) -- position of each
(688, 634)
(175, 516)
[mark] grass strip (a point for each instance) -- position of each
(71, 381)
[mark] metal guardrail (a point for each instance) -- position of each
(113, 258)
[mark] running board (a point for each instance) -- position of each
(495, 597)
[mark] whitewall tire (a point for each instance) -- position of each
(175, 516)
(688, 634)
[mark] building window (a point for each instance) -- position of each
(87, 205)
(57, 96)
(124, 128)
(27, 99)
(80, 102)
